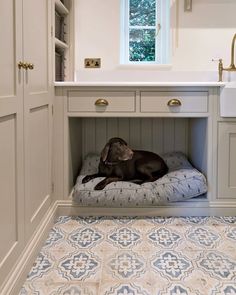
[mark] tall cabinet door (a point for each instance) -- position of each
(11, 136)
(37, 110)
(227, 160)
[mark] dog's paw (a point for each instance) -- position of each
(99, 186)
(86, 179)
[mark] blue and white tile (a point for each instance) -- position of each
(41, 267)
(87, 220)
(77, 289)
(198, 280)
(231, 234)
(56, 288)
(177, 289)
(81, 266)
(217, 265)
(105, 255)
(194, 220)
(62, 220)
(124, 265)
(225, 289)
(124, 220)
(203, 237)
(124, 238)
(163, 237)
(56, 235)
(114, 288)
(161, 220)
(171, 265)
(226, 220)
(85, 238)
(228, 246)
(59, 250)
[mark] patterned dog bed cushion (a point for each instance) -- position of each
(182, 182)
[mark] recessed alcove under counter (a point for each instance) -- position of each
(142, 113)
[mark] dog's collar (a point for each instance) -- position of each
(107, 163)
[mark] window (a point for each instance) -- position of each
(145, 31)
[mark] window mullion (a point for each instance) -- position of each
(143, 27)
(158, 37)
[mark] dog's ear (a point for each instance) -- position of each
(123, 141)
(104, 152)
(127, 154)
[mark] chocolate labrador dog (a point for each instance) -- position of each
(119, 163)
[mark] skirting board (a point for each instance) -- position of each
(188, 208)
(17, 278)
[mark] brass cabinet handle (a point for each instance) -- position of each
(174, 102)
(101, 102)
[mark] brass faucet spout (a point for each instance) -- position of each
(232, 65)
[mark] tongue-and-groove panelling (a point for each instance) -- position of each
(159, 135)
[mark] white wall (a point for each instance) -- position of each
(197, 37)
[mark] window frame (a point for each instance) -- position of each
(162, 39)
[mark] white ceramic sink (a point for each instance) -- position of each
(228, 100)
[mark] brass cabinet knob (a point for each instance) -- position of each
(101, 102)
(20, 65)
(29, 66)
(25, 65)
(174, 102)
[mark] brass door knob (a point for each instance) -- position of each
(101, 102)
(174, 102)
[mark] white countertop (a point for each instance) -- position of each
(139, 84)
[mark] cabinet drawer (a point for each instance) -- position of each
(101, 101)
(174, 102)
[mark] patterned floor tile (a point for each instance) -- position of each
(217, 265)
(199, 282)
(58, 288)
(59, 250)
(171, 265)
(225, 289)
(81, 266)
(124, 238)
(203, 237)
(132, 288)
(195, 220)
(177, 289)
(41, 267)
(229, 247)
(162, 237)
(85, 238)
(125, 265)
(77, 289)
(229, 220)
(136, 255)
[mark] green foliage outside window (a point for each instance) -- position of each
(142, 23)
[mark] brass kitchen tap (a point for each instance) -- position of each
(232, 67)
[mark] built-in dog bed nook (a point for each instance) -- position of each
(182, 182)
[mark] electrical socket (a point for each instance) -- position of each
(92, 63)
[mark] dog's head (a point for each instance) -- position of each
(116, 150)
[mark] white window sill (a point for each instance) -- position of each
(145, 66)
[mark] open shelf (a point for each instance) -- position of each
(60, 8)
(63, 30)
(60, 44)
